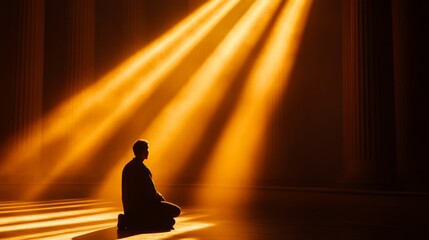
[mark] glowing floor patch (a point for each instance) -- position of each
(41, 220)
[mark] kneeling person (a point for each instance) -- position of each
(144, 207)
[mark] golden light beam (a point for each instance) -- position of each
(51, 215)
(110, 89)
(236, 154)
(197, 100)
(48, 207)
(88, 219)
(89, 144)
(19, 204)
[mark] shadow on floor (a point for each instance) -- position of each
(110, 233)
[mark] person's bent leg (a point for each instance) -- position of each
(169, 209)
(157, 217)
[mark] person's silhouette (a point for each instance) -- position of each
(144, 207)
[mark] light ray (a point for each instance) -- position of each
(19, 204)
(200, 98)
(30, 208)
(51, 215)
(110, 90)
(236, 155)
(89, 144)
(197, 100)
(62, 222)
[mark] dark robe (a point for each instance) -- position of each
(138, 189)
(142, 204)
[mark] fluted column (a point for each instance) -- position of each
(28, 84)
(80, 44)
(79, 59)
(368, 91)
(79, 69)
(134, 25)
(410, 54)
(70, 67)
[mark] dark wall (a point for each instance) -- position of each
(411, 51)
(57, 28)
(8, 59)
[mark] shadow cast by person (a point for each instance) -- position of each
(144, 207)
(132, 232)
(114, 233)
(102, 234)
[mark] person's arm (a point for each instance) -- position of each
(159, 196)
(149, 188)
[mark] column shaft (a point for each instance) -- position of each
(134, 26)
(412, 101)
(369, 139)
(29, 82)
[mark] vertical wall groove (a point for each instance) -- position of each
(80, 56)
(133, 25)
(70, 65)
(368, 94)
(410, 60)
(29, 80)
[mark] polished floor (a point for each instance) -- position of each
(280, 214)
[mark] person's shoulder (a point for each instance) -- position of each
(129, 164)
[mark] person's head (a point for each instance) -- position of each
(141, 149)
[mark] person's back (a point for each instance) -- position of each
(143, 206)
(138, 190)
